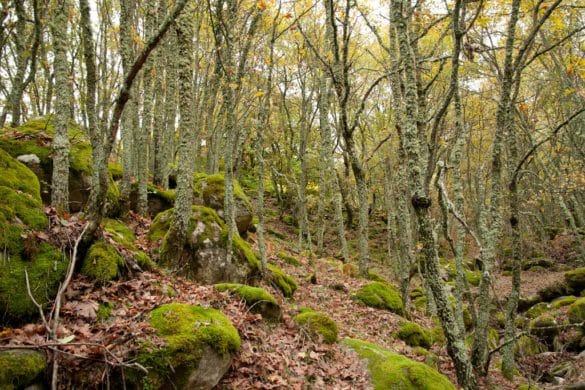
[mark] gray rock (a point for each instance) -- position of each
(211, 369)
(29, 159)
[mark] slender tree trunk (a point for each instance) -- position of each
(60, 179)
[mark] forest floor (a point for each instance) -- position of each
(273, 355)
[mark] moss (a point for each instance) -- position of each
(104, 310)
(563, 301)
(537, 310)
(168, 195)
(413, 335)
(420, 303)
(102, 262)
(390, 370)
(420, 351)
(243, 249)
(251, 295)
(542, 263)
(544, 327)
(381, 296)
(473, 277)
(144, 261)
(290, 221)
(291, 260)
(160, 225)
(528, 346)
(211, 188)
(46, 269)
(23, 206)
(577, 311)
(280, 280)
(576, 279)
(19, 368)
(375, 277)
(318, 323)
(121, 233)
(18, 177)
(116, 170)
(186, 330)
(416, 293)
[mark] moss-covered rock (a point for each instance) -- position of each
(576, 280)
(158, 199)
(318, 324)
(541, 262)
(102, 262)
(199, 346)
(46, 268)
(563, 301)
(412, 334)
(280, 280)
(375, 277)
(381, 296)
(210, 190)
(34, 139)
(553, 291)
(19, 368)
(544, 327)
(538, 309)
(256, 298)
(291, 260)
(390, 370)
(120, 233)
(528, 346)
(577, 311)
(204, 257)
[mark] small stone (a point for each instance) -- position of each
(29, 159)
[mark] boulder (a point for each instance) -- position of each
(199, 344)
(390, 370)
(576, 280)
(102, 263)
(204, 258)
(544, 327)
(209, 190)
(381, 296)
(20, 368)
(257, 299)
(21, 213)
(159, 200)
(577, 311)
(412, 334)
(318, 324)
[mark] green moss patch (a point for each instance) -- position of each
(18, 177)
(121, 233)
(537, 310)
(412, 334)
(318, 324)
(187, 330)
(288, 259)
(46, 269)
(102, 262)
(528, 346)
(212, 187)
(563, 301)
(390, 370)
(280, 280)
(577, 311)
(381, 296)
(576, 279)
(376, 277)
(19, 368)
(21, 205)
(258, 299)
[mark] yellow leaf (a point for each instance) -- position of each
(233, 85)
(259, 93)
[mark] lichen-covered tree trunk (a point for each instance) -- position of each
(176, 236)
(490, 225)
(171, 105)
(130, 116)
(60, 178)
(161, 86)
(421, 202)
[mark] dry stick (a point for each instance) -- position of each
(58, 302)
(34, 301)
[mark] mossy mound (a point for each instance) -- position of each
(257, 299)
(46, 268)
(291, 260)
(381, 296)
(541, 262)
(158, 199)
(563, 301)
(280, 280)
(376, 277)
(412, 334)
(318, 324)
(576, 280)
(577, 311)
(528, 346)
(390, 370)
(199, 341)
(19, 368)
(472, 277)
(18, 177)
(124, 236)
(537, 310)
(34, 138)
(204, 256)
(102, 262)
(544, 327)
(210, 190)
